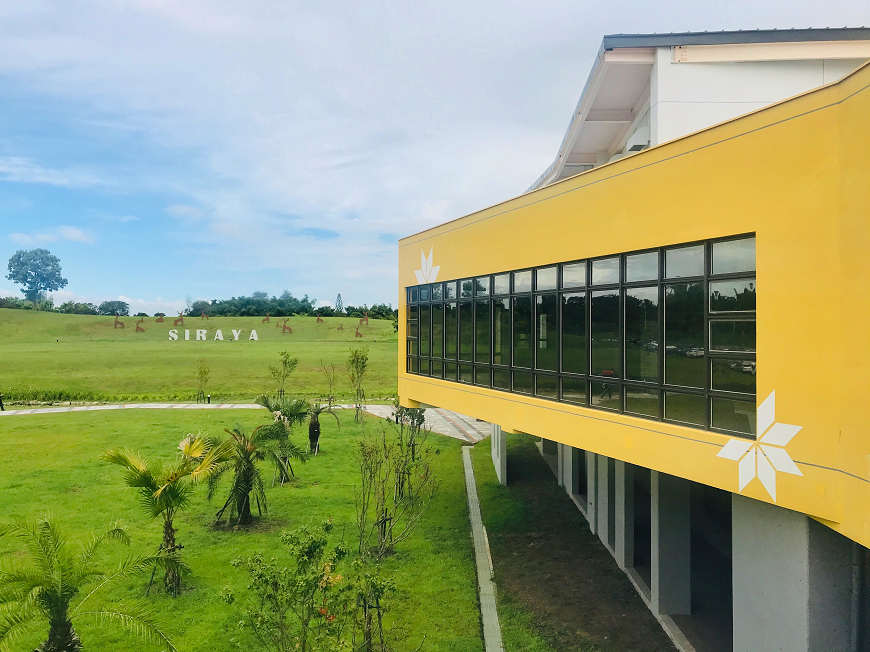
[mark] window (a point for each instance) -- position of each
(666, 334)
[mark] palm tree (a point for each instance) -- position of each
(245, 451)
(46, 588)
(286, 412)
(314, 425)
(165, 489)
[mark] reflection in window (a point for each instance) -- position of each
(642, 402)
(523, 281)
(413, 311)
(522, 382)
(522, 315)
(425, 334)
(450, 290)
(415, 365)
(466, 373)
(437, 368)
(733, 375)
(424, 366)
(501, 379)
(424, 293)
(545, 279)
(450, 324)
(546, 349)
(483, 331)
(684, 335)
(412, 329)
(450, 371)
(574, 332)
(574, 390)
(481, 286)
(546, 386)
(685, 261)
(732, 335)
(642, 334)
(412, 346)
(466, 331)
(736, 416)
(685, 408)
(605, 271)
(605, 333)
(604, 395)
(436, 292)
(501, 331)
(414, 295)
(734, 256)
(437, 330)
(466, 289)
(481, 376)
(642, 267)
(574, 276)
(732, 295)
(501, 284)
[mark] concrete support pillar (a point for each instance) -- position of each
(671, 589)
(560, 463)
(549, 447)
(578, 457)
(624, 545)
(498, 447)
(792, 580)
(606, 501)
(592, 491)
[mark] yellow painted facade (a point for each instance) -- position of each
(797, 174)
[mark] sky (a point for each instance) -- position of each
(165, 149)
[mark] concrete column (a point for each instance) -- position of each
(792, 580)
(549, 447)
(578, 457)
(498, 447)
(671, 589)
(561, 450)
(624, 545)
(606, 501)
(592, 491)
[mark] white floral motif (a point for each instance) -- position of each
(767, 455)
(427, 273)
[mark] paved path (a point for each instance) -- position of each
(443, 422)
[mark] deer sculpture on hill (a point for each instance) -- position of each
(285, 328)
(357, 334)
(340, 327)
(139, 323)
(118, 322)
(159, 319)
(319, 319)
(266, 318)
(180, 320)
(204, 316)
(364, 320)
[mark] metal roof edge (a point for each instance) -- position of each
(612, 41)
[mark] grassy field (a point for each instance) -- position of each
(54, 357)
(51, 463)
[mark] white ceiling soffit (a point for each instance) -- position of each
(800, 51)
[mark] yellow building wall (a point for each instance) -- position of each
(798, 175)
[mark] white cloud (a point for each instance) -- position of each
(149, 306)
(127, 218)
(70, 233)
(18, 169)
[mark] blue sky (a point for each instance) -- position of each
(165, 149)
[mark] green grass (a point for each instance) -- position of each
(50, 463)
(53, 357)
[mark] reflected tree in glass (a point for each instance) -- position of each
(466, 331)
(450, 325)
(684, 335)
(522, 319)
(482, 331)
(574, 332)
(642, 334)
(437, 331)
(605, 333)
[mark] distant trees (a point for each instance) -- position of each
(111, 308)
(37, 270)
(286, 305)
(73, 308)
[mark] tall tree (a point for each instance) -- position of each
(37, 270)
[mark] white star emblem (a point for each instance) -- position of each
(427, 273)
(767, 455)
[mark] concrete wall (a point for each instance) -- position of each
(498, 447)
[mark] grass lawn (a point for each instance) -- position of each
(49, 356)
(49, 463)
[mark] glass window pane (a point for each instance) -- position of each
(424, 366)
(408, 299)
(450, 323)
(501, 331)
(466, 331)
(642, 402)
(466, 373)
(732, 296)
(409, 364)
(642, 334)
(412, 346)
(546, 279)
(574, 276)
(684, 335)
(734, 256)
(574, 332)
(450, 290)
(450, 371)
(466, 289)
(546, 386)
(501, 379)
(642, 267)
(413, 311)
(415, 365)
(685, 408)
(605, 271)
(685, 261)
(437, 330)
(424, 293)
(522, 316)
(481, 286)
(413, 295)
(605, 333)
(523, 281)
(547, 347)
(732, 335)
(574, 390)
(483, 331)
(425, 333)
(736, 416)
(502, 284)
(437, 295)
(437, 368)
(481, 376)
(605, 396)
(733, 375)
(522, 382)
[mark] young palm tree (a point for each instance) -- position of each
(246, 451)
(286, 412)
(47, 588)
(165, 489)
(314, 425)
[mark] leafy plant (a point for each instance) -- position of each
(48, 586)
(285, 413)
(357, 366)
(314, 425)
(166, 489)
(37, 270)
(202, 374)
(282, 372)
